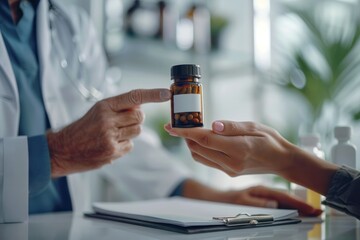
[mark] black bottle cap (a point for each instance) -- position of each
(185, 70)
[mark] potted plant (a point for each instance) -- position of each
(325, 68)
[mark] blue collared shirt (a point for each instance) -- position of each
(45, 195)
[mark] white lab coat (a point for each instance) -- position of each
(147, 172)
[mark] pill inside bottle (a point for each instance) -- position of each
(187, 100)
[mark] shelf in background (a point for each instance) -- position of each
(155, 56)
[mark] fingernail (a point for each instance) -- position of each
(167, 127)
(165, 94)
(218, 126)
(271, 204)
(173, 134)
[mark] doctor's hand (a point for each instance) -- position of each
(103, 134)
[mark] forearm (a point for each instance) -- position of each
(309, 171)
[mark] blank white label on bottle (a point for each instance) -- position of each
(187, 103)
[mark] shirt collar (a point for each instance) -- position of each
(5, 14)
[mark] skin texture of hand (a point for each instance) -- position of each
(258, 196)
(242, 148)
(239, 148)
(103, 134)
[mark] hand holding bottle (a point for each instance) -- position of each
(239, 148)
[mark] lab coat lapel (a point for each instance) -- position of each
(48, 75)
(9, 113)
(6, 68)
(43, 39)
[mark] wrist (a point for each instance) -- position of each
(55, 146)
(308, 170)
(286, 159)
(293, 159)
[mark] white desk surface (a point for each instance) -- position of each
(63, 226)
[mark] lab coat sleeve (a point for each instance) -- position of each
(39, 165)
(13, 179)
(148, 172)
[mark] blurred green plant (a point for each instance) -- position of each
(218, 24)
(157, 124)
(325, 67)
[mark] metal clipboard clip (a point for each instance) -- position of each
(246, 219)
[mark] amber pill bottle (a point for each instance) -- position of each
(187, 99)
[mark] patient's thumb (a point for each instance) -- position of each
(230, 128)
(218, 127)
(227, 128)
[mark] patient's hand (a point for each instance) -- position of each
(239, 148)
(258, 196)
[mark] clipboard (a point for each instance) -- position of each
(191, 216)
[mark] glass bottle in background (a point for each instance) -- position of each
(343, 153)
(142, 19)
(311, 144)
(202, 29)
(193, 30)
(114, 24)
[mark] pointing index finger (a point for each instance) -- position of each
(138, 97)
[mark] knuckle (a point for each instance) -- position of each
(139, 116)
(137, 130)
(109, 150)
(101, 106)
(204, 140)
(238, 167)
(129, 145)
(233, 127)
(230, 173)
(192, 145)
(124, 148)
(252, 126)
(120, 133)
(194, 156)
(257, 188)
(197, 158)
(105, 133)
(273, 132)
(103, 122)
(129, 132)
(135, 97)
